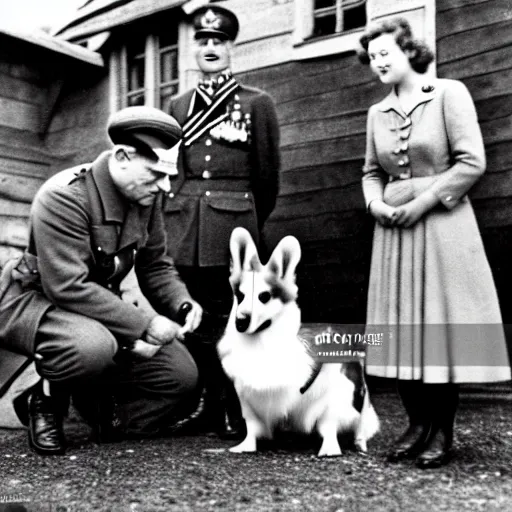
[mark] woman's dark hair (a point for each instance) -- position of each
(421, 54)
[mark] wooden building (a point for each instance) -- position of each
(303, 53)
(36, 72)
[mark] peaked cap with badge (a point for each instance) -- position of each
(215, 21)
(147, 129)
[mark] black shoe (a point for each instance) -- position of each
(102, 414)
(437, 452)
(409, 444)
(45, 432)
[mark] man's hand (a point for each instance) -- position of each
(411, 212)
(145, 350)
(383, 213)
(194, 314)
(162, 331)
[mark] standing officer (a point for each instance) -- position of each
(63, 307)
(228, 166)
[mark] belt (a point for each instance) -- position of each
(199, 186)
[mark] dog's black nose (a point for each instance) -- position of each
(242, 323)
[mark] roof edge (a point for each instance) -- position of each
(44, 40)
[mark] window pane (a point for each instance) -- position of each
(355, 18)
(135, 65)
(324, 25)
(321, 4)
(168, 66)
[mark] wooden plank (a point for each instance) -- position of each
(499, 156)
(24, 168)
(18, 114)
(497, 130)
(309, 179)
(495, 212)
(341, 149)
(14, 231)
(446, 5)
(485, 62)
(494, 108)
(325, 128)
(490, 85)
(474, 42)
(324, 226)
(473, 16)
(496, 184)
(22, 90)
(320, 106)
(262, 52)
(14, 209)
(329, 81)
(19, 188)
(349, 197)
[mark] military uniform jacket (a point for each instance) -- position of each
(82, 254)
(224, 182)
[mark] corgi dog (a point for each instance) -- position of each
(277, 380)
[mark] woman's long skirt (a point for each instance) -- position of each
(432, 295)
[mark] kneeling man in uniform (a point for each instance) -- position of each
(125, 368)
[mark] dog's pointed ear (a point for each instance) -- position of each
(244, 255)
(285, 258)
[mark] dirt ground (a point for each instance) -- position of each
(199, 474)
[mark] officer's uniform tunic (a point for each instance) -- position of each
(86, 238)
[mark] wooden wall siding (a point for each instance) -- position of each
(77, 133)
(322, 106)
(474, 39)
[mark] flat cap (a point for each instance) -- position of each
(144, 128)
(215, 21)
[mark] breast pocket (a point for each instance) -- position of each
(220, 213)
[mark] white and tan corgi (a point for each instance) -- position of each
(277, 380)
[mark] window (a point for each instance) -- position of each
(327, 27)
(168, 63)
(136, 60)
(335, 16)
(145, 69)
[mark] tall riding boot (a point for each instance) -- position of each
(443, 400)
(234, 423)
(412, 441)
(45, 417)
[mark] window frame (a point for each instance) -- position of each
(307, 47)
(118, 71)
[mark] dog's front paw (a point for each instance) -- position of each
(329, 449)
(246, 446)
(360, 446)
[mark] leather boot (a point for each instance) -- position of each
(45, 417)
(233, 426)
(443, 400)
(412, 441)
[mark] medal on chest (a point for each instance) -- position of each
(236, 128)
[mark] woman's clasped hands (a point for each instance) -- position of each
(403, 216)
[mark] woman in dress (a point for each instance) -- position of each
(431, 286)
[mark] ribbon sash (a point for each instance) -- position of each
(211, 115)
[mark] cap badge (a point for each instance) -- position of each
(210, 20)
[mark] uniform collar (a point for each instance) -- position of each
(114, 205)
(390, 102)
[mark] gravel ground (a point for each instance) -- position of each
(199, 474)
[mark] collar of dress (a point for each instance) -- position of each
(391, 102)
